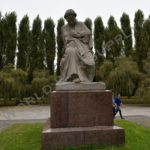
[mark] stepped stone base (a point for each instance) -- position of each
(81, 116)
(56, 138)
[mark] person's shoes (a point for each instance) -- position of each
(122, 118)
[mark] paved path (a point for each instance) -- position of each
(43, 112)
(24, 112)
(34, 114)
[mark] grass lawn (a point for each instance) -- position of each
(28, 137)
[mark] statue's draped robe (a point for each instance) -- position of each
(78, 58)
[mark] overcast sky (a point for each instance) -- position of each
(84, 8)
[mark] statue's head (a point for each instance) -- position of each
(70, 12)
(70, 16)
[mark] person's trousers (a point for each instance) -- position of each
(120, 113)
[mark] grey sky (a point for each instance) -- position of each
(84, 8)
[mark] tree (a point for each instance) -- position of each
(49, 44)
(104, 70)
(113, 40)
(127, 34)
(60, 44)
(139, 34)
(125, 78)
(3, 39)
(11, 34)
(146, 28)
(23, 42)
(36, 53)
(143, 91)
(1, 60)
(88, 23)
(147, 64)
(98, 40)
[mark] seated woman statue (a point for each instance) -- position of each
(77, 64)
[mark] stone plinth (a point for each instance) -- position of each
(81, 117)
(81, 109)
(56, 138)
(70, 86)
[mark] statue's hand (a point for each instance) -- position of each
(76, 34)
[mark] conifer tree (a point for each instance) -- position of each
(60, 44)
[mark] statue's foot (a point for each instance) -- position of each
(77, 80)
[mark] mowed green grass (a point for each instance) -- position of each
(21, 137)
(28, 137)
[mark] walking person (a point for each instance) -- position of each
(118, 104)
(114, 106)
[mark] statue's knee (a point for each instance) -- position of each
(70, 51)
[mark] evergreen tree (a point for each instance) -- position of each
(127, 34)
(11, 36)
(88, 23)
(49, 43)
(23, 42)
(113, 40)
(36, 53)
(60, 44)
(98, 40)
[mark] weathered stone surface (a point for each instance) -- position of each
(59, 137)
(81, 109)
(77, 63)
(71, 86)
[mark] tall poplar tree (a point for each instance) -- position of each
(126, 33)
(60, 44)
(1, 60)
(3, 35)
(23, 42)
(139, 38)
(49, 43)
(36, 53)
(88, 23)
(146, 27)
(99, 31)
(11, 34)
(113, 40)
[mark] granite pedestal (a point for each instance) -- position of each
(81, 117)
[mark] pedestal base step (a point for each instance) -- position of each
(55, 138)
